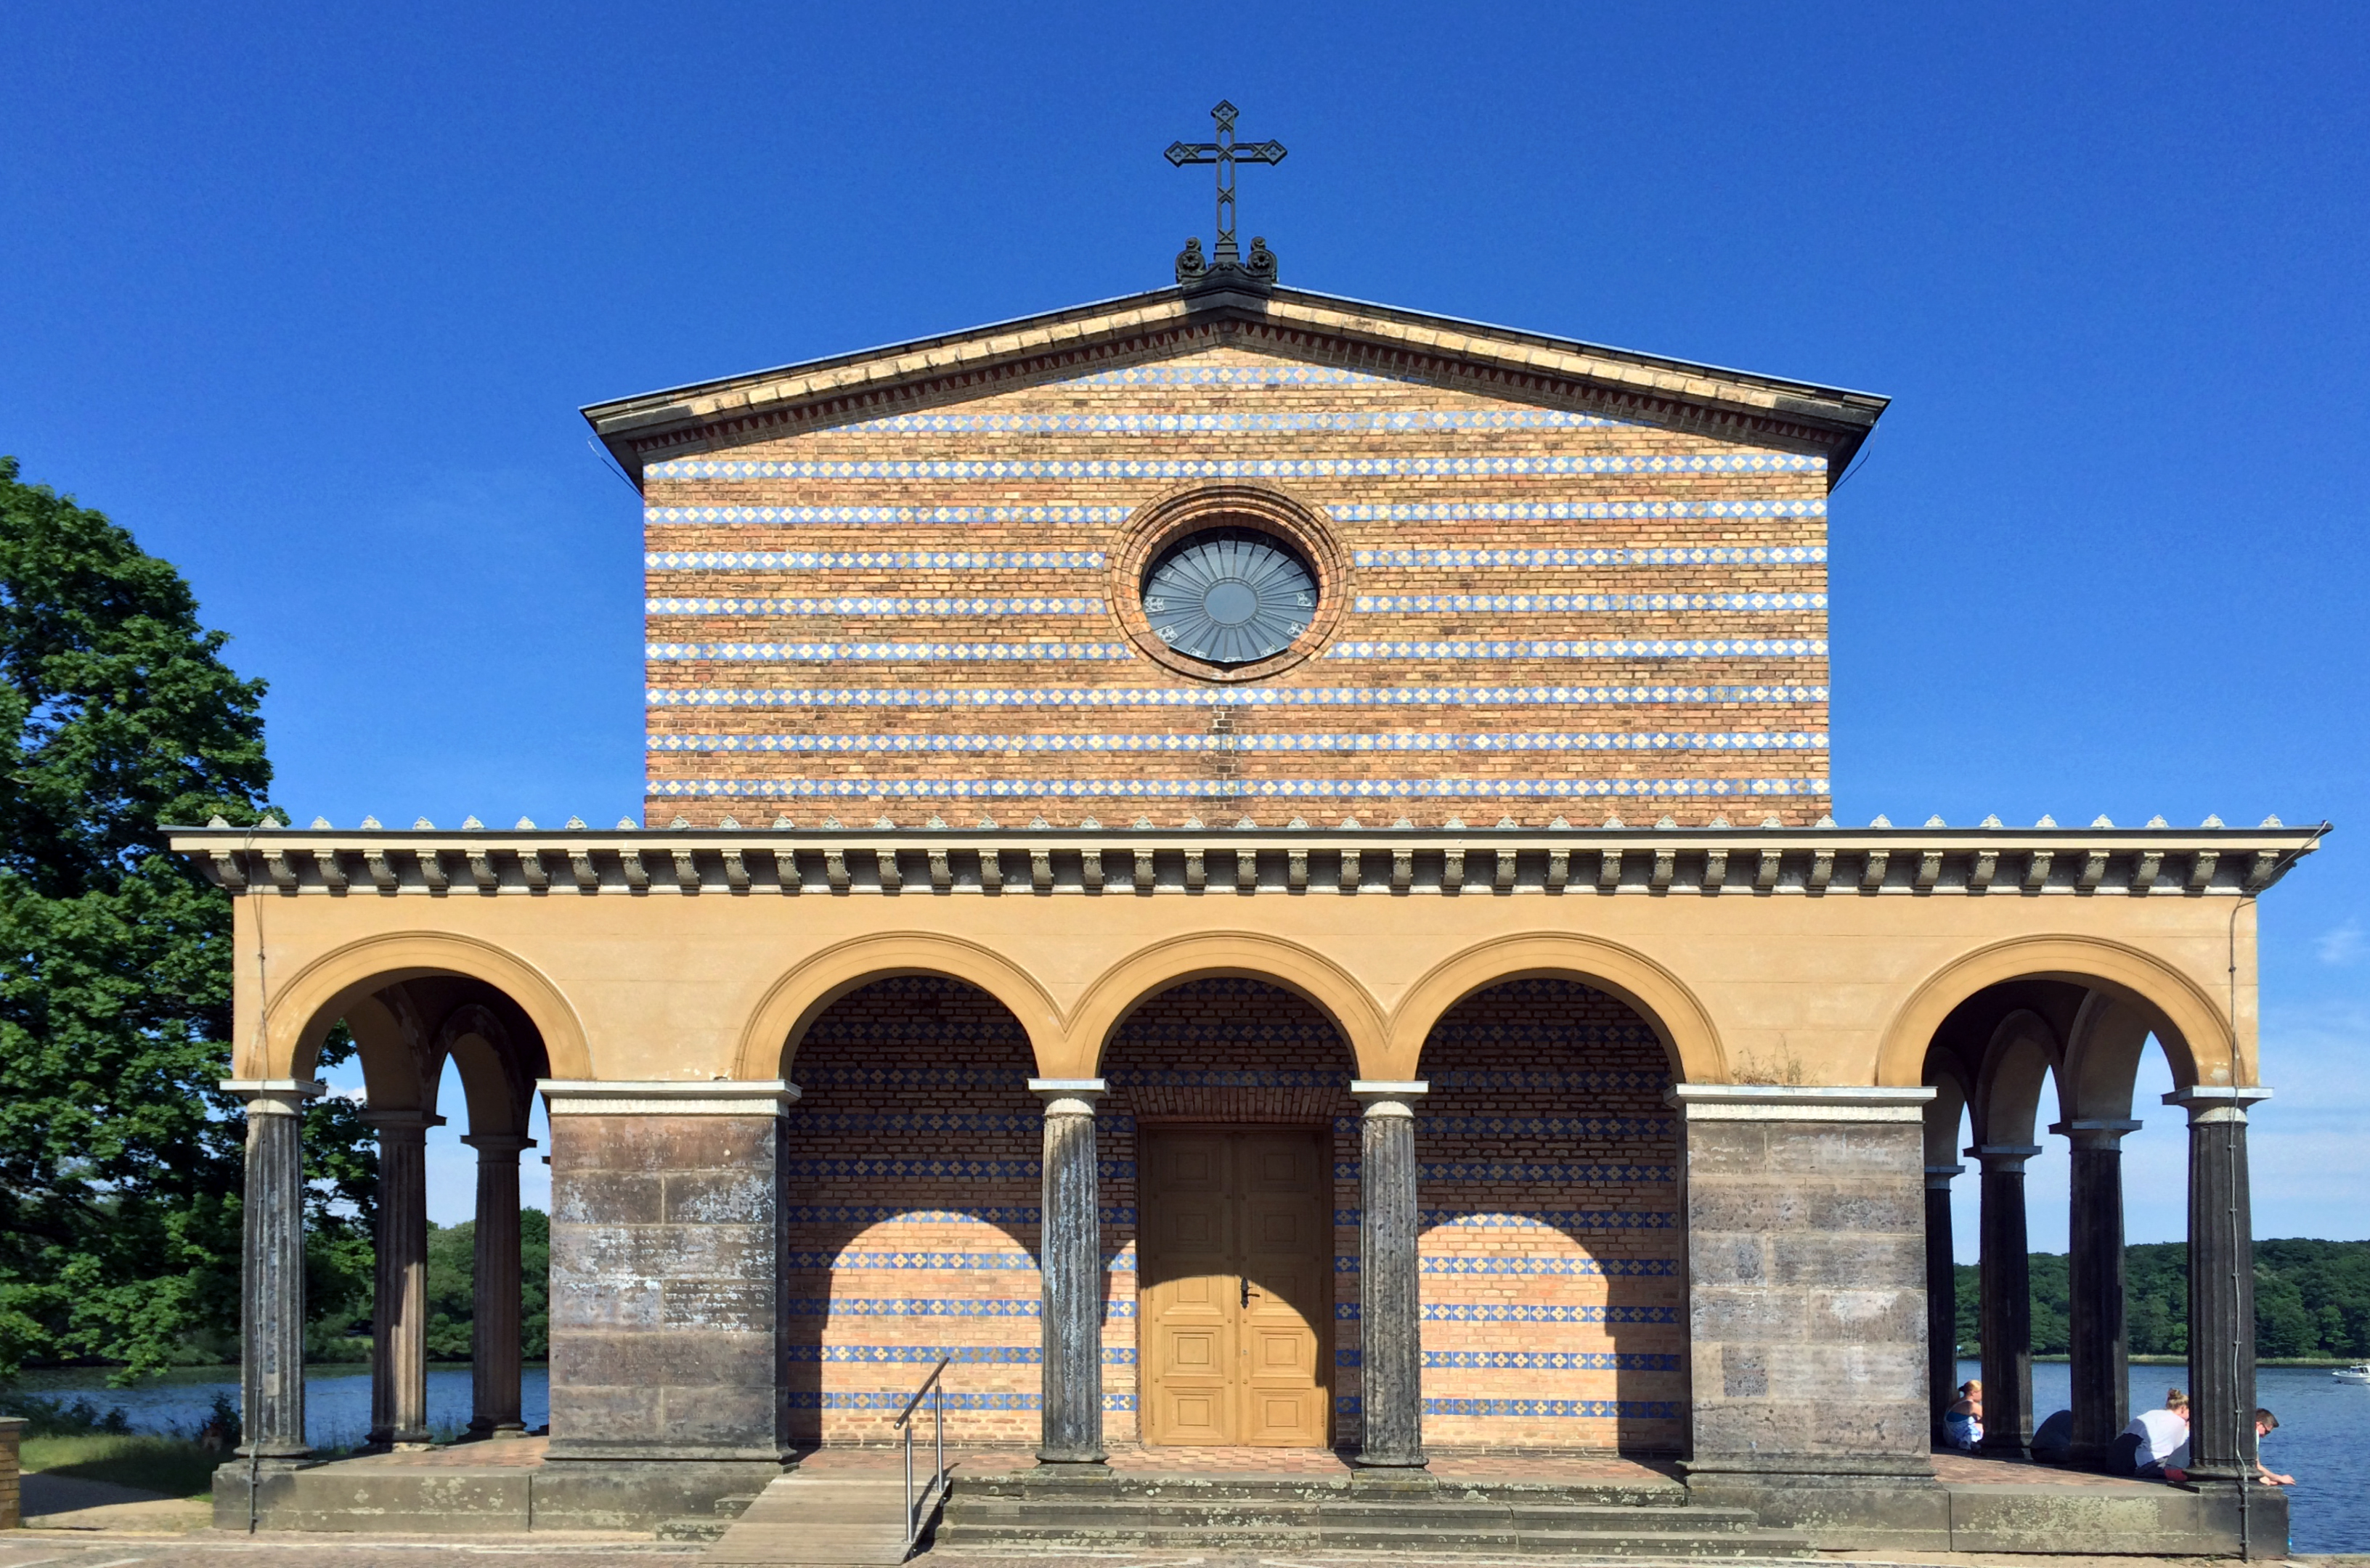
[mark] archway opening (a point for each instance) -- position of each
(429, 1117)
(1230, 1146)
(910, 1197)
(1553, 1246)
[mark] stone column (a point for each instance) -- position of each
(2100, 1346)
(272, 1269)
(1941, 1299)
(2007, 1305)
(2221, 1284)
(1390, 1307)
(494, 1320)
(1070, 1255)
(399, 1303)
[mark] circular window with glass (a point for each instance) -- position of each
(1229, 596)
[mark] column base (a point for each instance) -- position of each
(487, 1429)
(1092, 1472)
(1366, 1461)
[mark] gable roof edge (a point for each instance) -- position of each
(631, 427)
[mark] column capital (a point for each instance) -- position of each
(402, 1120)
(1798, 1103)
(1939, 1176)
(668, 1097)
(1069, 1097)
(2095, 1132)
(497, 1143)
(2005, 1157)
(2217, 1103)
(1383, 1097)
(274, 1096)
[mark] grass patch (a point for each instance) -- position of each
(175, 1467)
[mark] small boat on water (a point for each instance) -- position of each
(2357, 1373)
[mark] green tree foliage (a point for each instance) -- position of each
(2312, 1299)
(451, 1273)
(119, 1164)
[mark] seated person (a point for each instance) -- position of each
(2154, 1439)
(2053, 1440)
(1962, 1423)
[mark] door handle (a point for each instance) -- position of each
(1246, 1291)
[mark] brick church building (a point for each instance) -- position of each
(1250, 870)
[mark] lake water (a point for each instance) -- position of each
(2323, 1440)
(336, 1399)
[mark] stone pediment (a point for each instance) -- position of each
(1289, 325)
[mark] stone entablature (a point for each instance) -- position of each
(1010, 862)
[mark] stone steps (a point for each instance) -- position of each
(818, 1519)
(1305, 1514)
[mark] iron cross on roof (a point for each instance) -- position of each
(1223, 153)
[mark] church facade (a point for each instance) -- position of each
(1246, 869)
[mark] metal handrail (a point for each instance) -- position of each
(917, 1512)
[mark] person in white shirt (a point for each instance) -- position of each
(2154, 1440)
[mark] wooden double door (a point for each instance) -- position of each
(1235, 1290)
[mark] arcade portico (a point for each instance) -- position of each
(1296, 909)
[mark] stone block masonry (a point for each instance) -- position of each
(1548, 612)
(667, 1318)
(1805, 1213)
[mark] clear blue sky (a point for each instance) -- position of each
(307, 298)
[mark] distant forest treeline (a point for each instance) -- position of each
(452, 1301)
(2311, 1299)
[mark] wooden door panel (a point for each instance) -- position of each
(1234, 1295)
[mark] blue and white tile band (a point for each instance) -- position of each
(1230, 789)
(1235, 376)
(1530, 1313)
(973, 653)
(1376, 604)
(1706, 555)
(1770, 647)
(1027, 745)
(1568, 603)
(822, 653)
(872, 560)
(1159, 424)
(868, 606)
(1441, 467)
(1221, 696)
(1096, 560)
(652, 515)
(1546, 1361)
(1411, 511)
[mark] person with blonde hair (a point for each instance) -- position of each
(2155, 1441)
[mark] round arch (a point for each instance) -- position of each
(1304, 971)
(1651, 991)
(299, 1018)
(769, 1040)
(2193, 1028)
(2022, 1055)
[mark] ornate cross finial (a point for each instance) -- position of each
(1223, 258)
